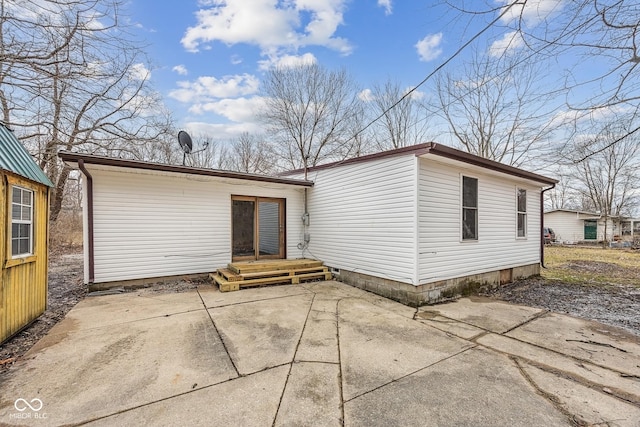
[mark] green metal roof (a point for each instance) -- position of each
(15, 158)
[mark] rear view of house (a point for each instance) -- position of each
(425, 223)
(24, 213)
(147, 220)
(417, 224)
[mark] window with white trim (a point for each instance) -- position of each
(521, 206)
(469, 208)
(21, 222)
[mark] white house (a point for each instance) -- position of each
(426, 222)
(571, 226)
(416, 224)
(145, 220)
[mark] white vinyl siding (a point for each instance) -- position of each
(442, 255)
(153, 224)
(363, 217)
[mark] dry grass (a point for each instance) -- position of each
(592, 265)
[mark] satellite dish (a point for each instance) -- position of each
(185, 142)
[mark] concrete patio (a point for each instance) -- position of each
(321, 354)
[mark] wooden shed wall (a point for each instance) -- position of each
(23, 291)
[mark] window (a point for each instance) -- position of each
(522, 212)
(21, 222)
(469, 208)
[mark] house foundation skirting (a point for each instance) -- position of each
(435, 292)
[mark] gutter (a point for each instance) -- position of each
(89, 219)
(542, 223)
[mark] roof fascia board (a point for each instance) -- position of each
(69, 157)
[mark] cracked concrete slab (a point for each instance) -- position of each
(311, 396)
(262, 334)
(378, 346)
(212, 296)
(83, 374)
(247, 401)
(449, 326)
(597, 343)
(115, 309)
(602, 409)
(475, 388)
(313, 353)
(625, 387)
(480, 312)
(319, 341)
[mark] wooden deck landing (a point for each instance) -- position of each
(267, 272)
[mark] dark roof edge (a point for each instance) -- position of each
(93, 159)
(438, 150)
(462, 156)
(412, 149)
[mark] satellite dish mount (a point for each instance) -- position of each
(187, 145)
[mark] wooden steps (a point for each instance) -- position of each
(257, 273)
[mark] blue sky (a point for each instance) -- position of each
(207, 57)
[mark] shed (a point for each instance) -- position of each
(425, 223)
(24, 217)
(149, 221)
(574, 226)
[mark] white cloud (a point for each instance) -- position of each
(207, 88)
(429, 47)
(274, 61)
(386, 4)
(236, 109)
(180, 69)
(531, 12)
(508, 43)
(366, 95)
(140, 72)
(269, 24)
(236, 59)
(222, 131)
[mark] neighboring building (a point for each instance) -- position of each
(573, 226)
(24, 219)
(417, 224)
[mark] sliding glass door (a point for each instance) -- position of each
(258, 229)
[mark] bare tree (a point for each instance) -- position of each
(251, 154)
(73, 78)
(596, 43)
(609, 180)
(400, 126)
(491, 109)
(308, 113)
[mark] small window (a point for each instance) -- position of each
(21, 222)
(522, 212)
(469, 208)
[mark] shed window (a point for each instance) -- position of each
(469, 208)
(21, 222)
(522, 212)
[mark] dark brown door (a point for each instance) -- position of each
(258, 228)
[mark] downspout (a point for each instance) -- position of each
(542, 224)
(89, 218)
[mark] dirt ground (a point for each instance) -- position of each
(602, 286)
